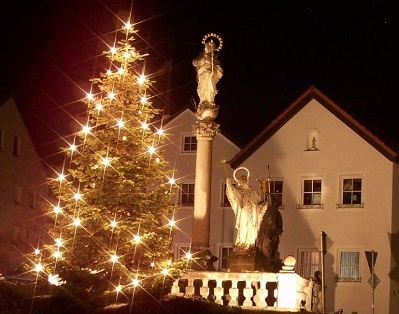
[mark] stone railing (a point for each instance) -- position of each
(283, 291)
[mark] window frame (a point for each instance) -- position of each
(340, 264)
(272, 189)
(191, 186)
(304, 192)
(359, 192)
(223, 262)
(308, 266)
(192, 143)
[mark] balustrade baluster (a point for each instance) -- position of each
(204, 289)
(233, 292)
(190, 289)
(218, 291)
(248, 293)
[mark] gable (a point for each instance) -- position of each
(298, 105)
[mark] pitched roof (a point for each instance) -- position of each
(313, 93)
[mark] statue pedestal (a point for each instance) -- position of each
(242, 260)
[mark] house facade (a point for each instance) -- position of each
(22, 187)
(336, 181)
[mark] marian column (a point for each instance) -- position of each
(209, 72)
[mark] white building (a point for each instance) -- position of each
(22, 185)
(333, 177)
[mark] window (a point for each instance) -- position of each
(311, 191)
(348, 265)
(18, 195)
(17, 147)
(276, 189)
(225, 250)
(189, 143)
(308, 262)
(351, 191)
(32, 199)
(187, 194)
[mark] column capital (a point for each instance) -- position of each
(206, 129)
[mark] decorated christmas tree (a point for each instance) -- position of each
(111, 226)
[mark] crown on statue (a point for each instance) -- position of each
(216, 39)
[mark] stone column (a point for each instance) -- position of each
(205, 131)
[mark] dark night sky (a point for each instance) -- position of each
(271, 54)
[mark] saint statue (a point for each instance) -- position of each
(248, 211)
(270, 229)
(209, 72)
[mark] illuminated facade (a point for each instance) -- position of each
(333, 176)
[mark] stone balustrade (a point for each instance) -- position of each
(285, 291)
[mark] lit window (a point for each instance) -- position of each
(17, 147)
(189, 143)
(311, 191)
(351, 190)
(187, 194)
(225, 251)
(308, 262)
(348, 265)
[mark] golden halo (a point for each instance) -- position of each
(219, 43)
(240, 168)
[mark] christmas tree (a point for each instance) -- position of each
(111, 226)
